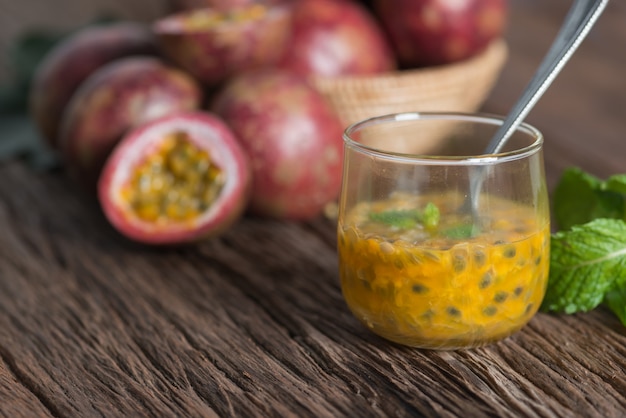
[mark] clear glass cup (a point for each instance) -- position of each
(417, 265)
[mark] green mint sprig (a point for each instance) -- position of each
(462, 231)
(588, 254)
(580, 197)
(409, 218)
(585, 263)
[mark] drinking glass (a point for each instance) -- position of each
(426, 259)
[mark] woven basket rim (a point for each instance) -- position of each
(495, 52)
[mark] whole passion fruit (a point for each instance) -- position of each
(118, 97)
(213, 45)
(437, 32)
(178, 5)
(334, 38)
(74, 59)
(176, 179)
(293, 140)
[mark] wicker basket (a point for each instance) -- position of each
(458, 87)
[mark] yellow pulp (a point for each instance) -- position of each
(176, 183)
(208, 18)
(426, 290)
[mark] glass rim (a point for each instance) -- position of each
(476, 159)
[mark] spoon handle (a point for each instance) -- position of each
(578, 22)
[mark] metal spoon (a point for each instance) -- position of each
(578, 22)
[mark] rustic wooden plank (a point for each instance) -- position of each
(253, 323)
(15, 396)
(241, 326)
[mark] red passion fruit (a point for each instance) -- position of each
(76, 57)
(174, 180)
(213, 45)
(293, 140)
(178, 5)
(336, 37)
(118, 97)
(435, 32)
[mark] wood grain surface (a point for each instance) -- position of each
(254, 324)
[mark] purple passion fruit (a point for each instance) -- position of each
(118, 97)
(213, 45)
(67, 65)
(333, 38)
(174, 180)
(293, 139)
(179, 5)
(434, 32)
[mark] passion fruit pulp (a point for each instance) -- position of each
(177, 179)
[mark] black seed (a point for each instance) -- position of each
(498, 242)
(500, 297)
(490, 310)
(452, 311)
(479, 258)
(413, 258)
(538, 260)
(509, 252)
(459, 263)
(486, 280)
(431, 256)
(529, 308)
(429, 314)
(419, 288)
(518, 290)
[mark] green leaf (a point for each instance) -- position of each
(24, 56)
(431, 216)
(580, 197)
(409, 218)
(584, 264)
(462, 231)
(615, 299)
(616, 183)
(403, 219)
(21, 140)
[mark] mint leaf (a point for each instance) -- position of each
(431, 216)
(585, 263)
(580, 197)
(398, 218)
(615, 299)
(462, 231)
(24, 55)
(616, 183)
(19, 139)
(409, 218)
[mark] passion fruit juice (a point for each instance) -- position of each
(451, 285)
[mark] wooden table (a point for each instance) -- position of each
(254, 324)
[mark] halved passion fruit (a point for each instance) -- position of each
(177, 179)
(118, 97)
(214, 45)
